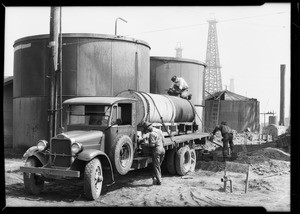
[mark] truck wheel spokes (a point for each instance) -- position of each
(124, 154)
(98, 178)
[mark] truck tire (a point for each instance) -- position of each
(183, 160)
(170, 158)
(93, 179)
(33, 183)
(193, 160)
(123, 154)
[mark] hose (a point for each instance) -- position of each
(205, 128)
(161, 118)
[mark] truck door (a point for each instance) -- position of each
(123, 122)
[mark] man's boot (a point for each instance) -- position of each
(233, 156)
(154, 181)
(225, 159)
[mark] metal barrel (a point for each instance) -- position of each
(184, 109)
(157, 107)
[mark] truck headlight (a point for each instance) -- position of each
(76, 148)
(42, 145)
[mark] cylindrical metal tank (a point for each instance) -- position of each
(274, 130)
(273, 120)
(8, 112)
(163, 68)
(93, 65)
(151, 107)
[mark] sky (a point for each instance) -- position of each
(253, 41)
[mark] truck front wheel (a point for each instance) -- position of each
(123, 154)
(183, 160)
(32, 182)
(93, 179)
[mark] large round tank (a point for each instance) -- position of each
(151, 107)
(93, 65)
(273, 120)
(274, 130)
(163, 68)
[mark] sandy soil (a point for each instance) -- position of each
(269, 186)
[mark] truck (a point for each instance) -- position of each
(102, 139)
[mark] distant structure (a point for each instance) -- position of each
(213, 81)
(238, 111)
(282, 91)
(178, 50)
(231, 85)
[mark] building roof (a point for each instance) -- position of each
(97, 100)
(8, 79)
(227, 95)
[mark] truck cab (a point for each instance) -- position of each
(115, 117)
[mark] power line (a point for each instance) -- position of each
(249, 17)
(166, 29)
(187, 26)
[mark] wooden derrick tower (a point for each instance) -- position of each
(213, 81)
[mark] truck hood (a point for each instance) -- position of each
(83, 137)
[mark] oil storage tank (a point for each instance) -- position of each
(93, 65)
(154, 107)
(163, 68)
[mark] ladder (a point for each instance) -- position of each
(215, 111)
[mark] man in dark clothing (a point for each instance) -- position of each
(227, 135)
(156, 142)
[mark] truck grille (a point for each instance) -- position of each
(61, 152)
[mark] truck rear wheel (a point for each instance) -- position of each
(33, 183)
(170, 158)
(123, 154)
(193, 160)
(183, 160)
(93, 179)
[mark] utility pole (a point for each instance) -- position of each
(282, 74)
(265, 116)
(53, 62)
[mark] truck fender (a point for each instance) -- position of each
(33, 151)
(89, 154)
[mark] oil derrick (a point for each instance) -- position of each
(213, 81)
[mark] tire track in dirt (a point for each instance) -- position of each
(201, 200)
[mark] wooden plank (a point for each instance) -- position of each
(247, 180)
(236, 167)
(184, 138)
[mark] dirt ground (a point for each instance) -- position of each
(269, 186)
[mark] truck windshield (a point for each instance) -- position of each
(93, 115)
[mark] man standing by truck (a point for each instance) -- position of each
(227, 135)
(156, 142)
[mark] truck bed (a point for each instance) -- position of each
(174, 140)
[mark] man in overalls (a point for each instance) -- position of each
(156, 142)
(227, 135)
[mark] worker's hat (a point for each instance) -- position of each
(146, 124)
(223, 123)
(174, 78)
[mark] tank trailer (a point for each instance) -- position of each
(103, 138)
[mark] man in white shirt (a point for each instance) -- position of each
(179, 87)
